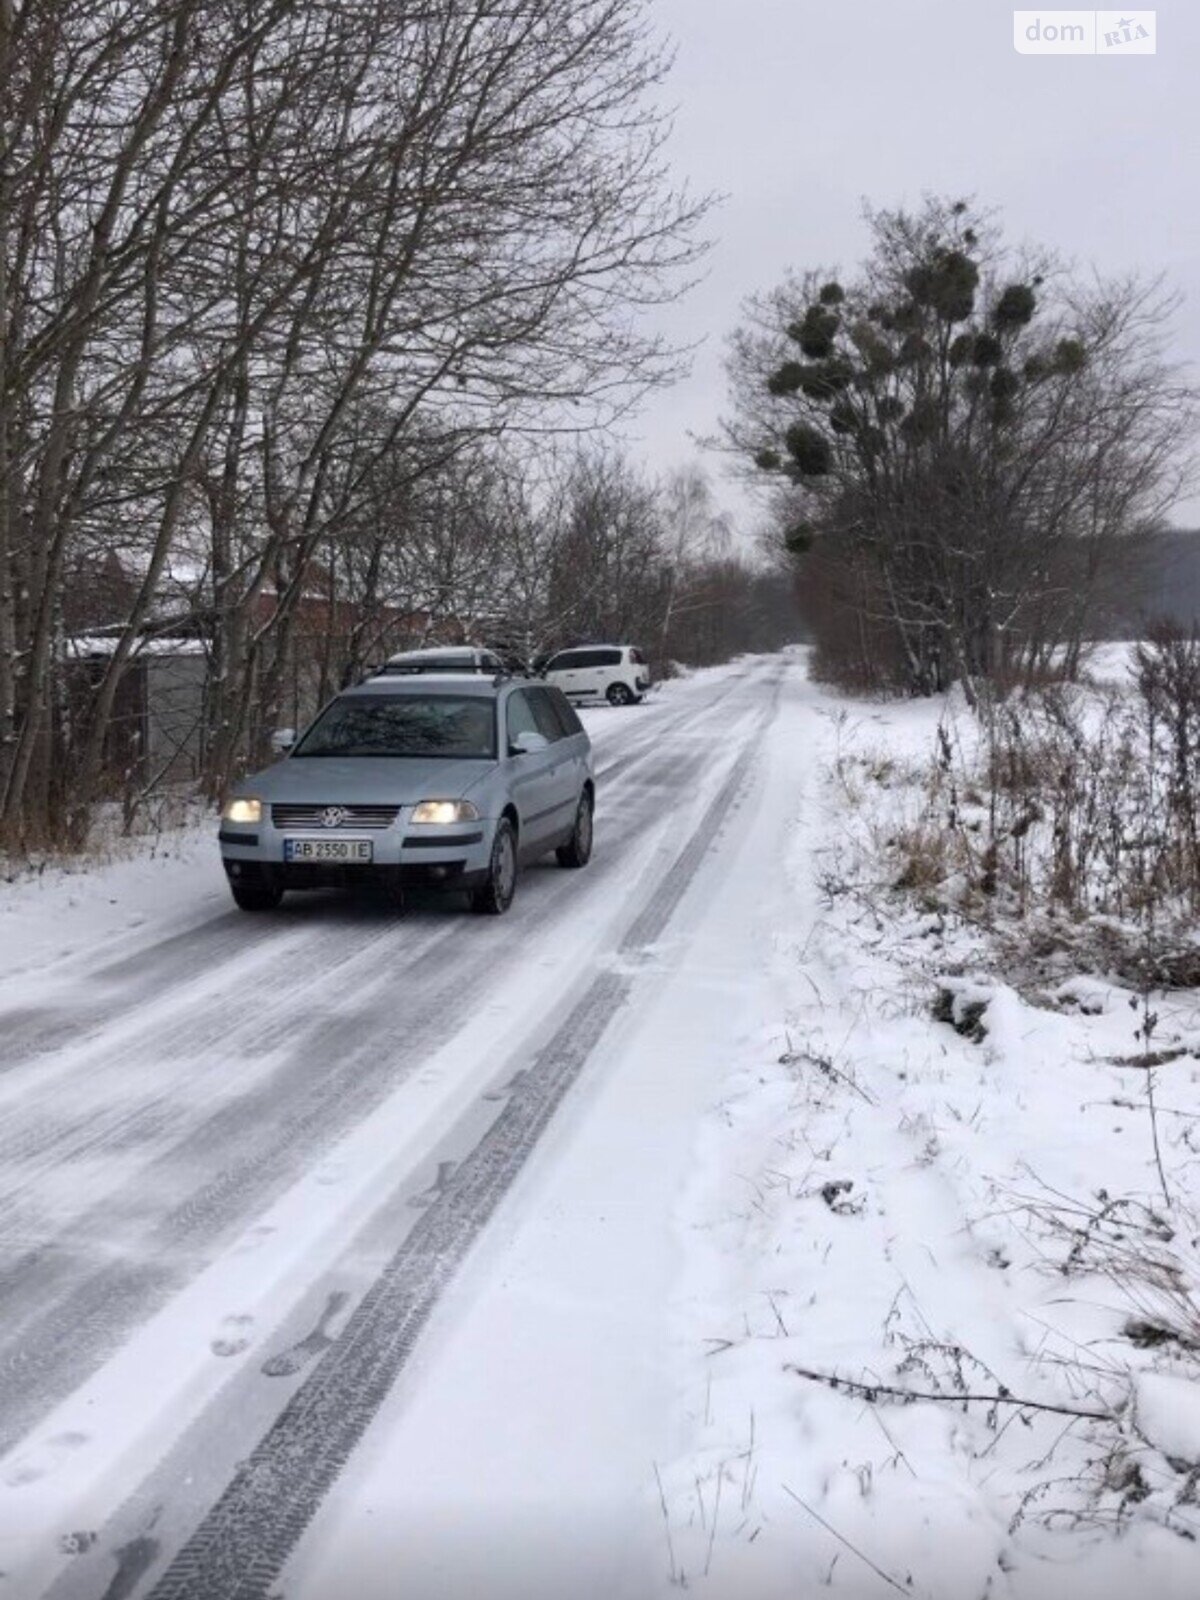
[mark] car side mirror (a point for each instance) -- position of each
(282, 740)
(528, 744)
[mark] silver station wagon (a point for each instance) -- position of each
(448, 781)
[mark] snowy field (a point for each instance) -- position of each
(354, 1255)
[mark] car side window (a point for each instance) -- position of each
(607, 658)
(520, 716)
(564, 711)
(548, 723)
(563, 661)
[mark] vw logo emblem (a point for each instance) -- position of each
(333, 816)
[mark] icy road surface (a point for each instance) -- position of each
(337, 1246)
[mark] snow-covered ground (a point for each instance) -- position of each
(348, 1255)
(886, 1206)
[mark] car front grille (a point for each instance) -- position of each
(319, 816)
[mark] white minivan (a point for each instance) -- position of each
(614, 672)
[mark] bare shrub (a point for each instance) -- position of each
(1078, 823)
(926, 855)
(1168, 679)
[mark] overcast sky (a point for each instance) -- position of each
(798, 111)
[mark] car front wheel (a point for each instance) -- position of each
(495, 896)
(577, 852)
(249, 897)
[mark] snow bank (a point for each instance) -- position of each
(1167, 1414)
(923, 1218)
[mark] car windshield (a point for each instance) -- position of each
(459, 726)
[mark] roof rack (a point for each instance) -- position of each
(416, 669)
(513, 672)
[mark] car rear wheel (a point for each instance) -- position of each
(577, 852)
(255, 897)
(496, 894)
(620, 694)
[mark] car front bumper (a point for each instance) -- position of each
(452, 857)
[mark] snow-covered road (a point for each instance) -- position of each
(338, 1248)
(662, 1234)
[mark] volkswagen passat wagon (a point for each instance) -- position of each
(453, 782)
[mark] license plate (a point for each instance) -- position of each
(328, 850)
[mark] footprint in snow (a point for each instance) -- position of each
(445, 1171)
(233, 1342)
(253, 1238)
(133, 1560)
(314, 1344)
(74, 1544)
(503, 1092)
(39, 1463)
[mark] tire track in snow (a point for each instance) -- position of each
(252, 1019)
(59, 1327)
(172, 998)
(633, 750)
(141, 978)
(191, 956)
(44, 1133)
(240, 1547)
(33, 1143)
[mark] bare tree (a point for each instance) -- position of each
(251, 250)
(696, 536)
(968, 440)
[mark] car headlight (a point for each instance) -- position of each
(444, 811)
(243, 809)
